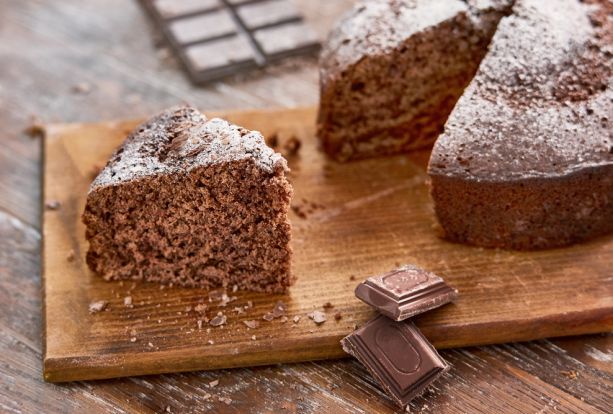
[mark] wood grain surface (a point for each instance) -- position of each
(47, 49)
(369, 217)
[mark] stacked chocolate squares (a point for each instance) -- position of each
(390, 346)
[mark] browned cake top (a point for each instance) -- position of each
(180, 139)
(373, 27)
(541, 100)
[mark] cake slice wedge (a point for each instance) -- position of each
(526, 159)
(392, 70)
(192, 201)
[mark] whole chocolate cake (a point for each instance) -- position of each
(392, 70)
(192, 201)
(526, 159)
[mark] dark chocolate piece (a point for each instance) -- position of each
(405, 292)
(219, 38)
(397, 355)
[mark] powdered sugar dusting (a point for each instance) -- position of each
(540, 103)
(180, 139)
(374, 27)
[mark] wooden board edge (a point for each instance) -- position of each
(71, 368)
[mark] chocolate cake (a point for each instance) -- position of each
(392, 70)
(192, 201)
(526, 159)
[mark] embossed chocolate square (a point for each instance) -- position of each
(397, 355)
(405, 292)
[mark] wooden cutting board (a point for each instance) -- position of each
(373, 215)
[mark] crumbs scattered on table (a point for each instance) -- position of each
(338, 316)
(97, 306)
(352, 277)
(214, 383)
(52, 205)
(296, 319)
(328, 305)
(127, 301)
(70, 256)
(306, 207)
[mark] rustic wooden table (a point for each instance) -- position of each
(68, 61)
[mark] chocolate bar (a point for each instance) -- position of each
(397, 355)
(218, 38)
(405, 292)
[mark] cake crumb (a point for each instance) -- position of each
(97, 306)
(298, 211)
(133, 339)
(268, 317)
(338, 316)
(199, 323)
(253, 337)
(328, 305)
(570, 374)
(234, 288)
(150, 345)
(279, 309)
(52, 205)
(225, 400)
(251, 324)
(296, 319)
(81, 88)
(36, 129)
(284, 319)
(200, 308)
(127, 301)
(318, 317)
(218, 320)
(352, 277)
(292, 146)
(214, 383)
(210, 342)
(70, 256)
(273, 140)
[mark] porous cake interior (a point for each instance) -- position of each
(221, 224)
(393, 102)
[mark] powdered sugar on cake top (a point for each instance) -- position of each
(540, 102)
(181, 139)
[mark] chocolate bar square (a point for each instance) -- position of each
(220, 53)
(170, 9)
(202, 27)
(397, 355)
(286, 39)
(267, 12)
(405, 292)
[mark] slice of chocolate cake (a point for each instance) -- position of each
(194, 202)
(392, 70)
(526, 160)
